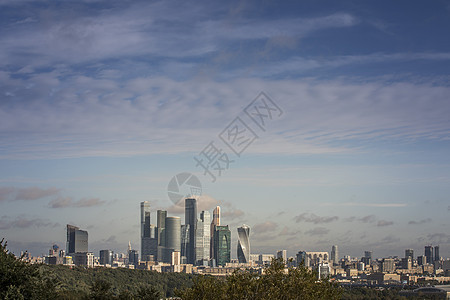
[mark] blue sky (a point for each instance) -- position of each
(103, 102)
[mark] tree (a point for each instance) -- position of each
(22, 280)
(148, 293)
(274, 283)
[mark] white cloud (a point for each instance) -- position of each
(92, 117)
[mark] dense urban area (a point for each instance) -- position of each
(202, 246)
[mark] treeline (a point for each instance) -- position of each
(81, 282)
(21, 280)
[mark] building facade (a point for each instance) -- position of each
(149, 242)
(203, 239)
(222, 245)
(77, 240)
(335, 255)
(243, 246)
(106, 257)
(190, 214)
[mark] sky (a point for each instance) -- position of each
(326, 122)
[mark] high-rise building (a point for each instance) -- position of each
(191, 220)
(222, 245)
(77, 240)
(160, 226)
(184, 242)
(429, 254)
(145, 219)
(367, 259)
(106, 257)
(133, 257)
(243, 246)
(282, 254)
(437, 256)
(215, 222)
(149, 243)
(409, 253)
(173, 233)
(173, 238)
(335, 254)
(203, 239)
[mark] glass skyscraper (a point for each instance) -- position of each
(215, 222)
(191, 220)
(243, 246)
(149, 244)
(222, 245)
(173, 238)
(77, 240)
(203, 239)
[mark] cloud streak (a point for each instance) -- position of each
(63, 202)
(312, 218)
(26, 194)
(24, 222)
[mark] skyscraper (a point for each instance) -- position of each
(149, 244)
(437, 256)
(222, 245)
(191, 220)
(77, 240)
(203, 239)
(335, 254)
(160, 226)
(184, 242)
(215, 222)
(367, 259)
(409, 253)
(106, 257)
(429, 254)
(145, 219)
(173, 238)
(243, 246)
(173, 233)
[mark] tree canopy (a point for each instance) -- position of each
(274, 283)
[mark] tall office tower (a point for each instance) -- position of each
(243, 246)
(145, 219)
(160, 226)
(184, 242)
(173, 238)
(149, 244)
(367, 259)
(106, 257)
(222, 245)
(133, 257)
(409, 253)
(190, 218)
(335, 254)
(429, 254)
(437, 256)
(203, 239)
(282, 254)
(77, 240)
(215, 222)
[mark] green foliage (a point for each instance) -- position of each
(275, 283)
(20, 280)
(124, 283)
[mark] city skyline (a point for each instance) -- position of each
(102, 103)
